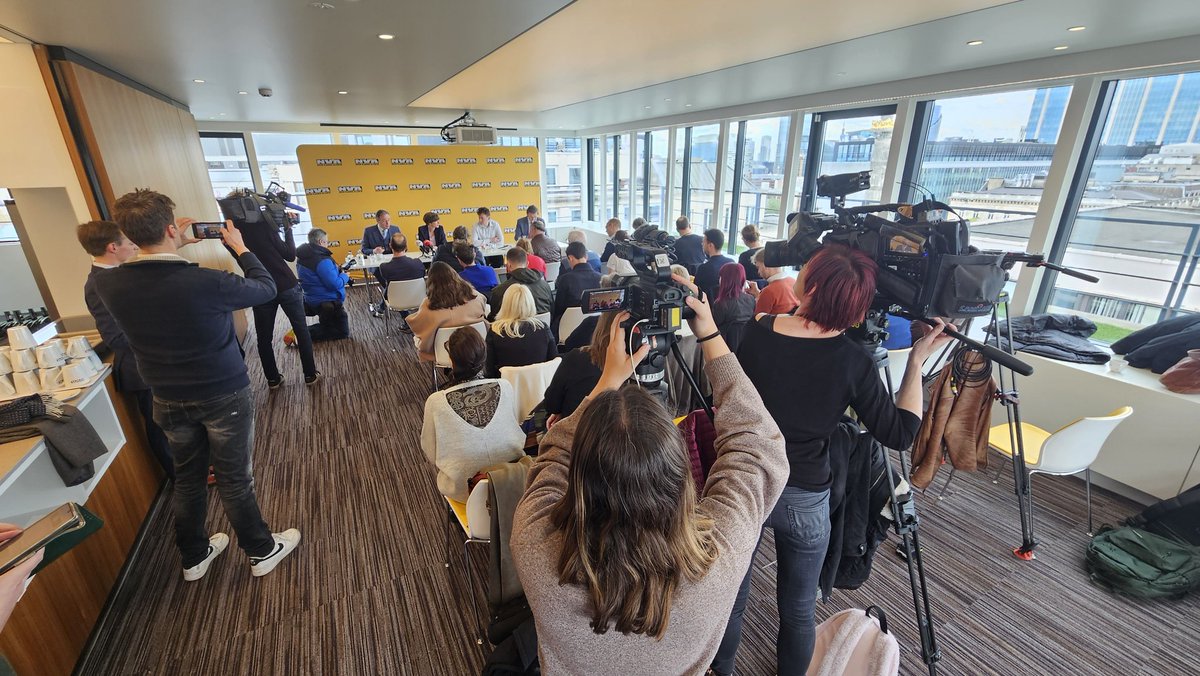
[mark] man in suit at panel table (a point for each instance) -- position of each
(376, 237)
(487, 233)
(109, 247)
(569, 288)
(531, 217)
(432, 231)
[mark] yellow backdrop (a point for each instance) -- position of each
(346, 185)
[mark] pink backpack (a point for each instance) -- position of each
(854, 643)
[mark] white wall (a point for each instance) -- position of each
(18, 291)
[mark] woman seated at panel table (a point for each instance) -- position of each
(471, 423)
(449, 301)
(517, 337)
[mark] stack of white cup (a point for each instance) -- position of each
(23, 361)
(27, 368)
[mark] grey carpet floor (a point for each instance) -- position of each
(368, 591)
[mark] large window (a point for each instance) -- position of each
(760, 188)
(1134, 216)
(376, 139)
(620, 187)
(679, 177)
(853, 142)
(8, 232)
(656, 182)
(277, 162)
(595, 153)
(987, 156)
(228, 163)
(702, 175)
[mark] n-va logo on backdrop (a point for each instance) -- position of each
(350, 188)
(531, 184)
(369, 215)
(481, 184)
(350, 242)
(316, 191)
(334, 162)
(341, 217)
(500, 208)
(510, 184)
(443, 211)
(467, 160)
(495, 160)
(419, 186)
(386, 187)
(522, 160)
(408, 212)
(451, 186)
(435, 160)
(366, 160)
(402, 160)
(467, 210)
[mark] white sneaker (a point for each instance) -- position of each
(285, 542)
(216, 544)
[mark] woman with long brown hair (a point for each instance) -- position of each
(449, 301)
(627, 565)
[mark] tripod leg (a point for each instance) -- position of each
(687, 372)
(1087, 482)
(946, 486)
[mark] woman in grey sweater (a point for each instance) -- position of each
(612, 534)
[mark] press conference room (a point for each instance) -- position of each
(580, 337)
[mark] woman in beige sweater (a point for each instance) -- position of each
(627, 566)
(449, 301)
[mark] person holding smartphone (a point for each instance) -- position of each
(12, 583)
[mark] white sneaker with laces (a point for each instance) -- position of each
(285, 542)
(216, 544)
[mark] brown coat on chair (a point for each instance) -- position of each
(955, 424)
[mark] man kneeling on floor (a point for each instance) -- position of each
(324, 288)
(177, 317)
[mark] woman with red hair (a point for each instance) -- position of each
(733, 307)
(808, 372)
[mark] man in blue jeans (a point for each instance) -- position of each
(177, 317)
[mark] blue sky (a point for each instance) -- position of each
(986, 117)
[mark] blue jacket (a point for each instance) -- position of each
(481, 277)
(320, 277)
(371, 238)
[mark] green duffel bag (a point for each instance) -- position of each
(1139, 563)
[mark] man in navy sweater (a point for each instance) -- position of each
(708, 277)
(177, 317)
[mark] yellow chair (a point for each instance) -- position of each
(1068, 450)
(476, 523)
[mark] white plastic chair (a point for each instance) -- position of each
(441, 355)
(406, 295)
(552, 270)
(530, 383)
(571, 319)
(476, 524)
(544, 317)
(1070, 450)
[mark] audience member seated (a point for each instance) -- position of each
(625, 562)
(543, 245)
(582, 335)
(689, 247)
(445, 252)
(777, 298)
(471, 423)
(707, 275)
(481, 277)
(516, 263)
(733, 306)
(432, 231)
(746, 259)
(617, 265)
(449, 301)
(569, 288)
(592, 259)
(534, 261)
(517, 337)
(487, 232)
(611, 228)
(324, 286)
(578, 373)
(402, 267)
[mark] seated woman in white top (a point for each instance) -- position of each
(471, 423)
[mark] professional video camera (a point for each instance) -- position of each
(247, 206)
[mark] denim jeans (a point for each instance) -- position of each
(292, 303)
(220, 432)
(159, 445)
(332, 322)
(801, 523)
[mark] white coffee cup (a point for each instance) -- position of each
(26, 382)
(51, 378)
(1117, 364)
(7, 389)
(21, 338)
(5, 362)
(78, 346)
(85, 363)
(76, 373)
(95, 361)
(22, 360)
(50, 354)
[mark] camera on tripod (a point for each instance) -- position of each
(272, 206)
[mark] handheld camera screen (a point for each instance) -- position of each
(207, 230)
(603, 300)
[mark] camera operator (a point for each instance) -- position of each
(808, 372)
(628, 566)
(275, 252)
(177, 317)
(324, 285)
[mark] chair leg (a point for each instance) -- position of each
(449, 543)
(433, 374)
(947, 484)
(767, 565)
(1087, 482)
(471, 590)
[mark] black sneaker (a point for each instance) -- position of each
(274, 383)
(309, 380)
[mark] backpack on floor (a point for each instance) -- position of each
(1139, 563)
(854, 643)
(1177, 518)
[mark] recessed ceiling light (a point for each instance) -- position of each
(1060, 48)
(386, 36)
(221, 114)
(198, 81)
(687, 105)
(646, 107)
(1076, 29)
(243, 93)
(320, 5)
(841, 73)
(343, 91)
(974, 43)
(667, 100)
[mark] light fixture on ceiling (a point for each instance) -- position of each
(646, 107)
(221, 114)
(1061, 47)
(386, 36)
(1076, 29)
(687, 105)
(320, 5)
(841, 73)
(343, 92)
(243, 93)
(198, 81)
(667, 100)
(974, 43)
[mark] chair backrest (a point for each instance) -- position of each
(1075, 447)
(479, 521)
(441, 356)
(552, 270)
(530, 383)
(406, 295)
(544, 317)
(571, 319)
